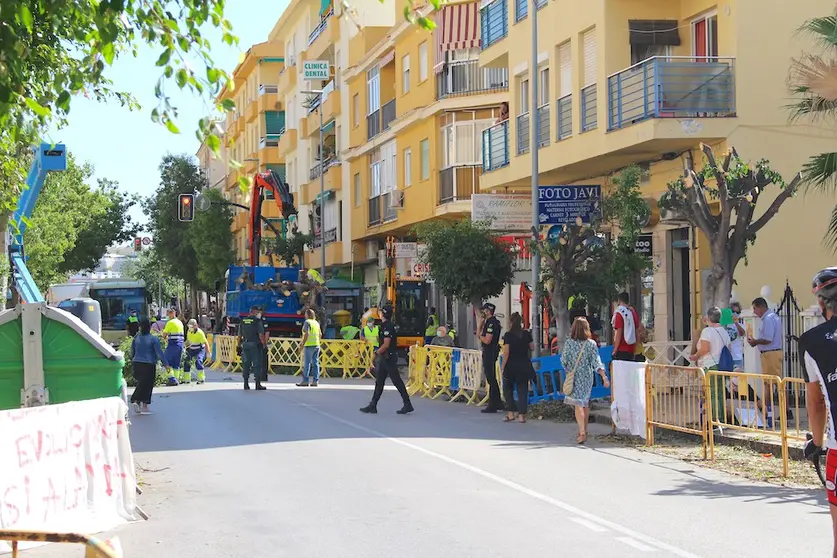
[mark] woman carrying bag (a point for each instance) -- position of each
(580, 359)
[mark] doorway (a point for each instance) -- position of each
(679, 285)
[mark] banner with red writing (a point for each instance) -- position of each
(66, 468)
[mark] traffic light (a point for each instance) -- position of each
(186, 207)
(137, 244)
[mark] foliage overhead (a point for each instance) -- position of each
(467, 261)
(291, 249)
(814, 84)
(211, 236)
(150, 268)
(736, 186)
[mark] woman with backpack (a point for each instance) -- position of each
(713, 353)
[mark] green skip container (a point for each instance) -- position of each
(77, 363)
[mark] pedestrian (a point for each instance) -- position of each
(431, 326)
(625, 329)
(711, 343)
(386, 365)
(769, 344)
(488, 333)
(737, 333)
(133, 323)
(311, 340)
(442, 339)
(146, 351)
(581, 360)
(173, 335)
(197, 347)
(517, 370)
(252, 336)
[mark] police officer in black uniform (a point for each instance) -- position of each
(252, 337)
(488, 331)
(386, 364)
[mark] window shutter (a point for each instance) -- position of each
(565, 68)
(589, 46)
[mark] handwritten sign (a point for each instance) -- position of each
(560, 205)
(66, 468)
(505, 212)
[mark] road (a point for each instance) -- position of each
(300, 472)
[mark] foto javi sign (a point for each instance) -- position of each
(561, 205)
(66, 468)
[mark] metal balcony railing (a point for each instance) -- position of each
(523, 129)
(265, 89)
(495, 147)
(375, 215)
(270, 140)
(494, 22)
(319, 168)
(314, 103)
(543, 125)
(318, 30)
(387, 115)
(465, 77)
(671, 87)
(373, 124)
(589, 108)
(330, 236)
(564, 113)
(390, 212)
(458, 183)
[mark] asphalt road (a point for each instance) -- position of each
(301, 473)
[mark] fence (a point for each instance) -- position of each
(675, 399)
(95, 548)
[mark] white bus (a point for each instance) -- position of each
(117, 297)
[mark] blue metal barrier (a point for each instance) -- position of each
(550, 375)
(456, 357)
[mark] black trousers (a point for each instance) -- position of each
(624, 355)
(145, 374)
(489, 369)
(521, 382)
(388, 367)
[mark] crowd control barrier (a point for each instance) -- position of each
(550, 376)
(675, 399)
(94, 548)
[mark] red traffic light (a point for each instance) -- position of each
(138, 244)
(186, 209)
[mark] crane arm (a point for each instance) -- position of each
(272, 182)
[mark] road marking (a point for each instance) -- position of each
(589, 524)
(636, 544)
(634, 536)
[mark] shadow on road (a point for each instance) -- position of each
(750, 493)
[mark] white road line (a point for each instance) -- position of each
(636, 544)
(513, 485)
(589, 524)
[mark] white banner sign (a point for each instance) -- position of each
(406, 250)
(628, 407)
(506, 212)
(66, 468)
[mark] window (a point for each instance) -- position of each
(423, 61)
(705, 37)
(462, 143)
(524, 96)
(405, 70)
(408, 167)
(355, 110)
(424, 147)
(373, 90)
(588, 41)
(543, 86)
(357, 190)
(565, 70)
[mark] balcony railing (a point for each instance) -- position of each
(270, 140)
(564, 112)
(265, 89)
(458, 183)
(330, 236)
(375, 216)
(523, 133)
(589, 108)
(314, 103)
(387, 115)
(495, 147)
(494, 22)
(666, 87)
(543, 125)
(373, 124)
(318, 168)
(318, 30)
(467, 78)
(390, 212)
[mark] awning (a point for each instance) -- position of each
(386, 58)
(654, 32)
(457, 27)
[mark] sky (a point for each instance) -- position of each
(127, 146)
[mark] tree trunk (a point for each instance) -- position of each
(559, 301)
(719, 282)
(195, 309)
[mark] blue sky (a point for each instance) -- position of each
(125, 145)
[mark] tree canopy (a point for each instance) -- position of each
(291, 248)
(150, 268)
(467, 261)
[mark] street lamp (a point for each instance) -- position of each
(319, 93)
(534, 143)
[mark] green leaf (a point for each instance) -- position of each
(165, 57)
(180, 78)
(63, 101)
(41, 111)
(108, 52)
(426, 23)
(25, 16)
(213, 142)
(228, 105)
(212, 74)
(172, 128)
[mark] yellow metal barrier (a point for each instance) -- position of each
(95, 548)
(796, 413)
(226, 347)
(752, 397)
(676, 399)
(418, 381)
(440, 366)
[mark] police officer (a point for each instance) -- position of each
(488, 332)
(253, 337)
(133, 323)
(386, 364)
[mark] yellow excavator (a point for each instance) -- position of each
(408, 298)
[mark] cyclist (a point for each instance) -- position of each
(818, 347)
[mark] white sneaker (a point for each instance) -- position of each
(147, 412)
(135, 406)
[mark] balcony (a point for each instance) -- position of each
(671, 88)
(268, 149)
(465, 77)
(495, 147)
(332, 181)
(543, 125)
(333, 254)
(251, 112)
(564, 113)
(375, 214)
(287, 80)
(323, 36)
(390, 210)
(458, 184)
(380, 120)
(523, 129)
(589, 108)
(494, 22)
(331, 109)
(268, 98)
(287, 142)
(330, 236)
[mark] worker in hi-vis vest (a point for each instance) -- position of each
(431, 327)
(311, 338)
(173, 333)
(370, 335)
(197, 347)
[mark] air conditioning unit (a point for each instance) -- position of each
(290, 60)
(396, 199)
(372, 248)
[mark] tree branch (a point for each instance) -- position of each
(723, 191)
(698, 207)
(774, 207)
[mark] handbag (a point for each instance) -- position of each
(568, 382)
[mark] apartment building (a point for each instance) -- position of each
(214, 167)
(252, 134)
(418, 103)
(648, 81)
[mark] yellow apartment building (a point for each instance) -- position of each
(417, 106)
(252, 134)
(647, 81)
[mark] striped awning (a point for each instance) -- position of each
(457, 27)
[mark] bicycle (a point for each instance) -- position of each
(818, 460)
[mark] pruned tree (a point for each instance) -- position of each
(735, 186)
(291, 248)
(467, 261)
(596, 259)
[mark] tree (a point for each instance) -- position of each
(580, 260)
(210, 234)
(814, 83)
(467, 261)
(736, 187)
(291, 249)
(112, 225)
(149, 267)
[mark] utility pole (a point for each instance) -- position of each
(319, 93)
(533, 150)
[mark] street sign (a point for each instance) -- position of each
(202, 203)
(561, 205)
(505, 212)
(406, 250)
(315, 69)
(420, 269)
(146, 241)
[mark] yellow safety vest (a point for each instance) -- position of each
(371, 335)
(313, 333)
(434, 325)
